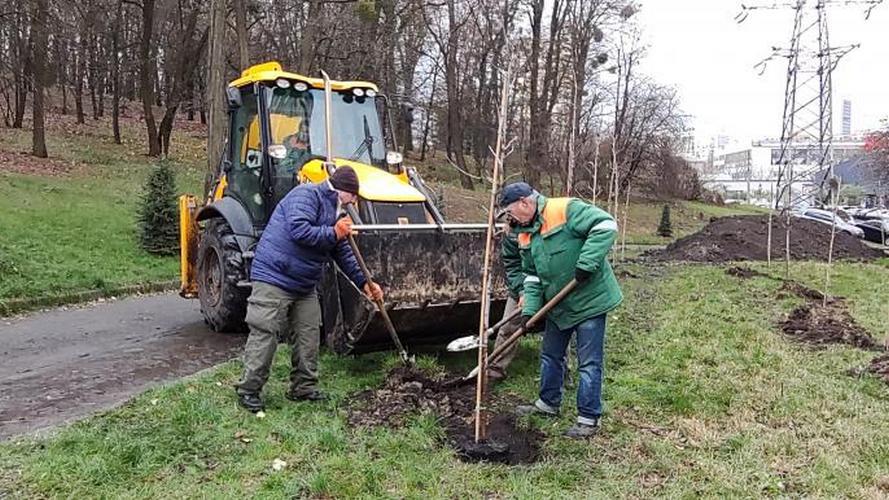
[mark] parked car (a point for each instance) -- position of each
(841, 220)
(876, 230)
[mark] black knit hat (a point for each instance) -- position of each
(345, 179)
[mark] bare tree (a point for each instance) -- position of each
(38, 31)
(215, 84)
(242, 29)
(147, 75)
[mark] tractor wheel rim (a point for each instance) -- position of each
(213, 276)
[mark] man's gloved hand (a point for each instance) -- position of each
(343, 227)
(525, 319)
(581, 275)
(373, 291)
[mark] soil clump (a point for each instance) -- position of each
(408, 392)
(820, 322)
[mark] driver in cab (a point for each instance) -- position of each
(297, 146)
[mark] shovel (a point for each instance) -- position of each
(471, 342)
(495, 355)
(405, 358)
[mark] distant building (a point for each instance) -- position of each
(847, 117)
(750, 174)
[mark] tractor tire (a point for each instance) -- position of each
(220, 268)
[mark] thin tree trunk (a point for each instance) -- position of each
(78, 80)
(241, 26)
(115, 73)
(429, 115)
(215, 86)
(148, 76)
(455, 120)
(38, 31)
(63, 77)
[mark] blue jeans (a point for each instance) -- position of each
(590, 358)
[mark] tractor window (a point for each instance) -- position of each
(246, 156)
(297, 122)
(357, 131)
(290, 144)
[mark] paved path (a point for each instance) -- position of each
(62, 365)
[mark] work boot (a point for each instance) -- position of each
(315, 395)
(538, 408)
(252, 402)
(580, 430)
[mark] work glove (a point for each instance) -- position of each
(343, 228)
(373, 291)
(582, 275)
(526, 318)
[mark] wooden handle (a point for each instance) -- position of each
(512, 339)
(380, 305)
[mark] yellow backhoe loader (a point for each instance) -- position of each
(278, 137)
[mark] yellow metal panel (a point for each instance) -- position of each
(375, 184)
(220, 188)
(271, 71)
(188, 245)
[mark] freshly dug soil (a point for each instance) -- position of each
(801, 290)
(743, 272)
(743, 237)
(879, 366)
(408, 392)
(819, 322)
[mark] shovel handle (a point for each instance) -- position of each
(506, 319)
(512, 339)
(380, 305)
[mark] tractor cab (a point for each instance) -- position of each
(286, 129)
(278, 138)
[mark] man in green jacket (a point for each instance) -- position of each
(560, 239)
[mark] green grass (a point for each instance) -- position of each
(77, 231)
(703, 398)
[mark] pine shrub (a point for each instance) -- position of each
(158, 217)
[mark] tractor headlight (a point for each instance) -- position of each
(394, 158)
(282, 83)
(358, 92)
(370, 93)
(300, 86)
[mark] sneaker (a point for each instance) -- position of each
(252, 402)
(315, 395)
(538, 408)
(581, 430)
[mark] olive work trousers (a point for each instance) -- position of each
(273, 313)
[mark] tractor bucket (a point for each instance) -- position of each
(432, 278)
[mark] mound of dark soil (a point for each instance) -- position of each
(408, 392)
(819, 325)
(743, 237)
(821, 322)
(801, 290)
(879, 366)
(744, 272)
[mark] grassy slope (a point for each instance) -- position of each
(704, 399)
(77, 231)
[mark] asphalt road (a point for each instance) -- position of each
(62, 365)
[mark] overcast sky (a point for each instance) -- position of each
(697, 46)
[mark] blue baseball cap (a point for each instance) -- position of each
(512, 193)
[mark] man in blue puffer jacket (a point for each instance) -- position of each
(302, 235)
